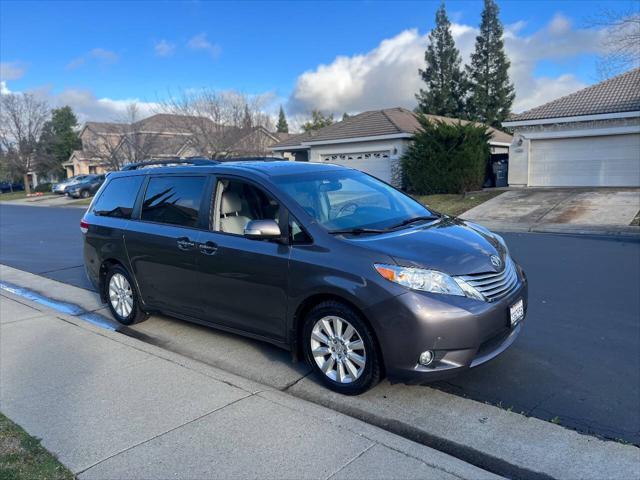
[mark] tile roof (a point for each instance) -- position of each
(389, 121)
(615, 95)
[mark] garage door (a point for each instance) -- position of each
(607, 161)
(377, 164)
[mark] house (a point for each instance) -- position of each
(590, 138)
(106, 144)
(371, 141)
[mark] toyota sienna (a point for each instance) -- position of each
(347, 272)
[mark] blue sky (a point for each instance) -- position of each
(144, 50)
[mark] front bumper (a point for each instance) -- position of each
(462, 332)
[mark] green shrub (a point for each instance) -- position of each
(445, 158)
(43, 188)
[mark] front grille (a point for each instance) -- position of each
(494, 286)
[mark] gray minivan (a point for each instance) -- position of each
(342, 269)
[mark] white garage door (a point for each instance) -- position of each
(377, 164)
(607, 161)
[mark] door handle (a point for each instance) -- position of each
(208, 248)
(185, 244)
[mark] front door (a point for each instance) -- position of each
(163, 243)
(244, 281)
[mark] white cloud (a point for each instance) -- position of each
(99, 55)
(4, 90)
(11, 70)
(387, 76)
(164, 48)
(200, 42)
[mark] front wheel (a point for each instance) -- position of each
(122, 297)
(341, 348)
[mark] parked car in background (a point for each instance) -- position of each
(344, 270)
(61, 187)
(11, 187)
(86, 187)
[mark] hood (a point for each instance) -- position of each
(449, 245)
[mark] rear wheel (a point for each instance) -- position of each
(341, 349)
(122, 297)
(84, 194)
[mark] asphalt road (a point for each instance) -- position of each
(577, 361)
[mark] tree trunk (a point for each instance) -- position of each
(27, 187)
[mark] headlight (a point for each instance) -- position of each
(427, 280)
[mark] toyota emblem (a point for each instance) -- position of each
(496, 262)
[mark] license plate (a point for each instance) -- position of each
(517, 312)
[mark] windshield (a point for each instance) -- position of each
(350, 200)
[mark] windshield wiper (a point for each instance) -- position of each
(409, 221)
(357, 231)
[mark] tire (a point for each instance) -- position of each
(122, 297)
(342, 359)
(84, 194)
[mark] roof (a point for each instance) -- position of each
(615, 95)
(375, 123)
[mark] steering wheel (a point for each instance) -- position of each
(345, 207)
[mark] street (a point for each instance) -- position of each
(576, 363)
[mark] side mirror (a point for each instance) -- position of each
(262, 230)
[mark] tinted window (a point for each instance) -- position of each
(173, 200)
(118, 197)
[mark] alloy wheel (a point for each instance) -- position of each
(338, 349)
(121, 295)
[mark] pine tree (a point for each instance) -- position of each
(58, 140)
(444, 78)
(491, 92)
(282, 126)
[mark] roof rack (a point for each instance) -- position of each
(249, 159)
(170, 162)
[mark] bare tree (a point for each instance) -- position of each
(22, 117)
(621, 43)
(123, 141)
(219, 123)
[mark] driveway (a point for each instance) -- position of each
(570, 209)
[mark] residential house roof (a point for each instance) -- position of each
(615, 95)
(375, 123)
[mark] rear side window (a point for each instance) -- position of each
(118, 197)
(173, 200)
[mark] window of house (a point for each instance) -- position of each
(118, 197)
(173, 200)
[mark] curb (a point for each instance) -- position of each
(488, 437)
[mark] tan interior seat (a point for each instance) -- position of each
(230, 219)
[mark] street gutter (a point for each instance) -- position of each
(488, 437)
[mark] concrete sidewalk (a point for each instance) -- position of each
(111, 406)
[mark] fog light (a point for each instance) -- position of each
(426, 358)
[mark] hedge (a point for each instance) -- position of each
(446, 158)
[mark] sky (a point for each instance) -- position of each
(334, 56)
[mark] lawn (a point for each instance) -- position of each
(455, 204)
(16, 195)
(23, 458)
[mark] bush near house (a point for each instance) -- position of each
(43, 188)
(446, 158)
